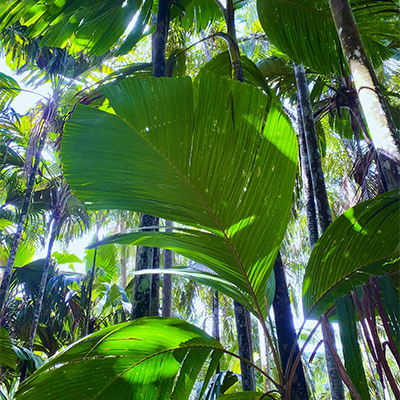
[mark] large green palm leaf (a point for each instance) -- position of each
(305, 31)
(149, 358)
(81, 24)
(215, 154)
(364, 241)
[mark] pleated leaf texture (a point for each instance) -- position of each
(305, 31)
(82, 24)
(362, 242)
(149, 358)
(213, 154)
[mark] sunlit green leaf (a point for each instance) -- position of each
(215, 154)
(362, 242)
(149, 358)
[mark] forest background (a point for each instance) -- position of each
(270, 84)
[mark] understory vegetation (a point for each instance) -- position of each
(232, 171)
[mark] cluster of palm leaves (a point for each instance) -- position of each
(218, 157)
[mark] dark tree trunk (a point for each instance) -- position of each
(160, 37)
(318, 181)
(46, 122)
(215, 316)
(122, 227)
(215, 319)
(154, 307)
(167, 279)
(314, 185)
(380, 123)
(145, 255)
(245, 345)
(142, 283)
(312, 223)
(286, 332)
(89, 291)
(5, 283)
(39, 300)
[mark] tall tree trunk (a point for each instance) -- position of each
(99, 222)
(160, 37)
(167, 279)
(245, 345)
(122, 228)
(44, 125)
(154, 306)
(145, 255)
(311, 212)
(381, 126)
(142, 283)
(215, 315)
(89, 293)
(43, 282)
(286, 332)
(314, 185)
(317, 175)
(242, 315)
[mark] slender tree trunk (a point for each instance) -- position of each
(215, 315)
(145, 255)
(317, 175)
(154, 306)
(242, 315)
(160, 37)
(45, 124)
(89, 291)
(286, 332)
(381, 126)
(311, 212)
(245, 345)
(167, 279)
(142, 283)
(122, 227)
(43, 282)
(99, 222)
(314, 185)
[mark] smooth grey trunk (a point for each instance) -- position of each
(44, 126)
(245, 345)
(286, 332)
(311, 212)
(317, 175)
(167, 279)
(314, 186)
(42, 287)
(380, 123)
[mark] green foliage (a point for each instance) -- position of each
(166, 354)
(82, 25)
(360, 243)
(305, 31)
(177, 154)
(9, 89)
(351, 349)
(8, 358)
